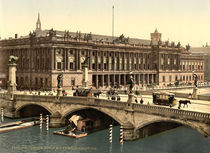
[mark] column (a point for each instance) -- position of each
(113, 79)
(143, 79)
(108, 80)
(96, 81)
(147, 78)
(64, 59)
(78, 57)
(119, 80)
(90, 60)
(152, 78)
(102, 80)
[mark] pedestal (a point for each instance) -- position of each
(85, 75)
(12, 79)
(59, 92)
(195, 93)
(131, 100)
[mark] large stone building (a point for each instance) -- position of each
(203, 51)
(43, 54)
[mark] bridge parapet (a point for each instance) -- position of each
(35, 98)
(173, 113)
(93, 102)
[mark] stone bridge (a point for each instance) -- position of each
(133, 117)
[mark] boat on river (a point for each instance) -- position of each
(73, 134)
(79, 127)
(18, 125)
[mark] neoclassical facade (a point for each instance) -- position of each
(44, 54)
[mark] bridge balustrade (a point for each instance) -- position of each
(175, 113)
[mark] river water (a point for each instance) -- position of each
(33, 140)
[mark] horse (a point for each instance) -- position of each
(185, 102)
(97, 94)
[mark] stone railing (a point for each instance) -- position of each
(93, 102)
(173, 113)
(156, 110)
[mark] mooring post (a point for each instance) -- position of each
(121, 134)
(110, 133)
(2, 114)
(40, 121)
(47, 122)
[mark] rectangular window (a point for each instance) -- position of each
(170, 78)
(59, 65)
(71, 66)
(162, 61)
(163, 78)
(174, 61)
(176, 78)
(93, 66)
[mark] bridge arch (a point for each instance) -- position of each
(106, 112)
(192, 125)
(28, 105)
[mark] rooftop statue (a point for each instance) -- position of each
(178, 45)
(187, 47)
(52, 33)
(13, 59)
(59, 78)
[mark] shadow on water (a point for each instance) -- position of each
(178, 140)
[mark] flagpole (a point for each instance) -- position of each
(113, 23)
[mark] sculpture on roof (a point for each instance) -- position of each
(178, 45)
(159, 43)
(52, 33)
(188, 47)
(122, 39)
(172, 44)
(66, 35)
(13, 59)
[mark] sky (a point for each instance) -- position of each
(187, 21)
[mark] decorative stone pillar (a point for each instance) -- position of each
(195, 93)
(59, 92)
(12, 75)
(12, 78)
(85, 74)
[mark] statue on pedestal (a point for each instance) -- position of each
(195, 80)
(86, 61)
(59, 78)
(131, 84)
(13, 59)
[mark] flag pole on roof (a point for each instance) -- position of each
(113, 22)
